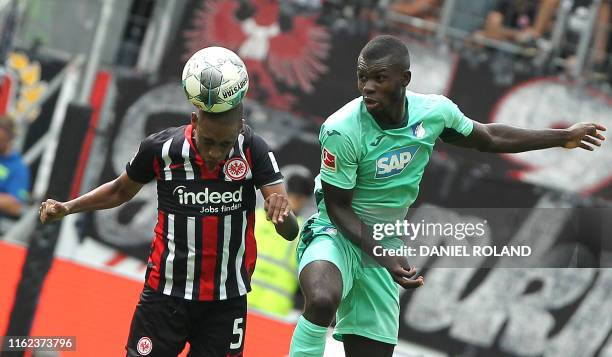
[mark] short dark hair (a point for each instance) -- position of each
(7, 123)
(236, 113)
(300, 184)
(387, 45)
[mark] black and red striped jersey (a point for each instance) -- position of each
(204, 244)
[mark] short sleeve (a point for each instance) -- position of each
(338, 158)
(19, 182)
(265, 167)
(140, 168)
(456, 124)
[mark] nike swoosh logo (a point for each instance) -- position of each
(332, 133)
(176, 166)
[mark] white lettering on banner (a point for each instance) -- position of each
(590, 324)
(499, 303)
(548, 103)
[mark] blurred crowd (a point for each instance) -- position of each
(558, 27)
(555, 35)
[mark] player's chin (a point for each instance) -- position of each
(374, 109)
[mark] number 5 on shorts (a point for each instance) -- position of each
(237, 331)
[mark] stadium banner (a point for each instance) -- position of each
(303, 60)
(302, 70)
(510, 312)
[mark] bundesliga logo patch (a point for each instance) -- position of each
(236, 169)
(328, 160)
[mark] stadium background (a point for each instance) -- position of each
(87, 80)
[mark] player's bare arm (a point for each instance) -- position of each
(502, 138)
(10, 205)
(108, 195)
(278, 210)
(338, 202)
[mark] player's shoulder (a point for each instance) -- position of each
(250, 139)
(432, 106)
(158, 139)
(428, 100)
(345, 120)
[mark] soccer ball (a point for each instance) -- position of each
(215, 79)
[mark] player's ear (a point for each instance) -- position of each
(194, 119)
(242, 122)
(406, 77)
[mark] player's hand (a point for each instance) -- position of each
(402, 273)
(277, 208)
(583, 134)
(51, 211)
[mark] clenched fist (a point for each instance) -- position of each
(51, 211)
(277, 208)
(402, 273)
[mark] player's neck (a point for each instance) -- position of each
(395, 117)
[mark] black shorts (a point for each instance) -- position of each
(163, 324)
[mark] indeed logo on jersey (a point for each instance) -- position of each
(395, 161)
(204, 197)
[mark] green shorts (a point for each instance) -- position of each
(370, 297)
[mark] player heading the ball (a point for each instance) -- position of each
(204, 251)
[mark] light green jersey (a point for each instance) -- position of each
(384, 167)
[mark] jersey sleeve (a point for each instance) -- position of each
(456, 124)
(265, 167)
(19, 182)
(339, 157)
(141, 166)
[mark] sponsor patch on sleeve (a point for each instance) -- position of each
(328, 160)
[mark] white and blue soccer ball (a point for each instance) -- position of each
(215, 79)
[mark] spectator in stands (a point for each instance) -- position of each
(14, 174)
(520, 21)
(601, 40)
(425, 9)
(428, 10)
(602, 33)
(469, 16)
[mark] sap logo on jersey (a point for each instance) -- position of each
(395, 161)
(203, 197)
